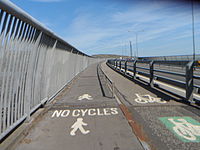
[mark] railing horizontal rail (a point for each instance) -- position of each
(168, 72)
(196, 77)
(144, 73)
(142, 68)
(170, 79)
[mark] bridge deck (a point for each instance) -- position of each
(167, 122)
(83, 119)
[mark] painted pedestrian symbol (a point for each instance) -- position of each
(148, 99)
(85, 96)
(185, 128)
(79, 125)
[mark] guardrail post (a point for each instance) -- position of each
(115, 64)
(189, 81)
(134, 69)
(120, 65)
(125, 67)
(109, 62)
(151, 66)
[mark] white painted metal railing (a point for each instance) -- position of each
(35, 64)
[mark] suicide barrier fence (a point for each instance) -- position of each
(35, 64)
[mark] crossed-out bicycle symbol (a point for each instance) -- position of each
(148, 99)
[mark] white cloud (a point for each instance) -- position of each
(101, 33)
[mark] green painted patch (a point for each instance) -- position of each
(185, 128)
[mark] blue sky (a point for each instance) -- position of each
(101, 26)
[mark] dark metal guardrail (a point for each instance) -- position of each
(173, 57)
(148, 69)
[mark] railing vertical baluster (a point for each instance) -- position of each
(29, 86)
(49, 69)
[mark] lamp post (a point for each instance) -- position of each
(193, 38)
(136, 41)
(131, 51)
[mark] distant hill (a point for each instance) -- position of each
(108, 56)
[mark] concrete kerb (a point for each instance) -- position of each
(136, 128)
(22, 130)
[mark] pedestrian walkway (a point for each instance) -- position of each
(82, 119)
(166, 122)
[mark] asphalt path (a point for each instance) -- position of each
(166, 123)
(85, 117)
